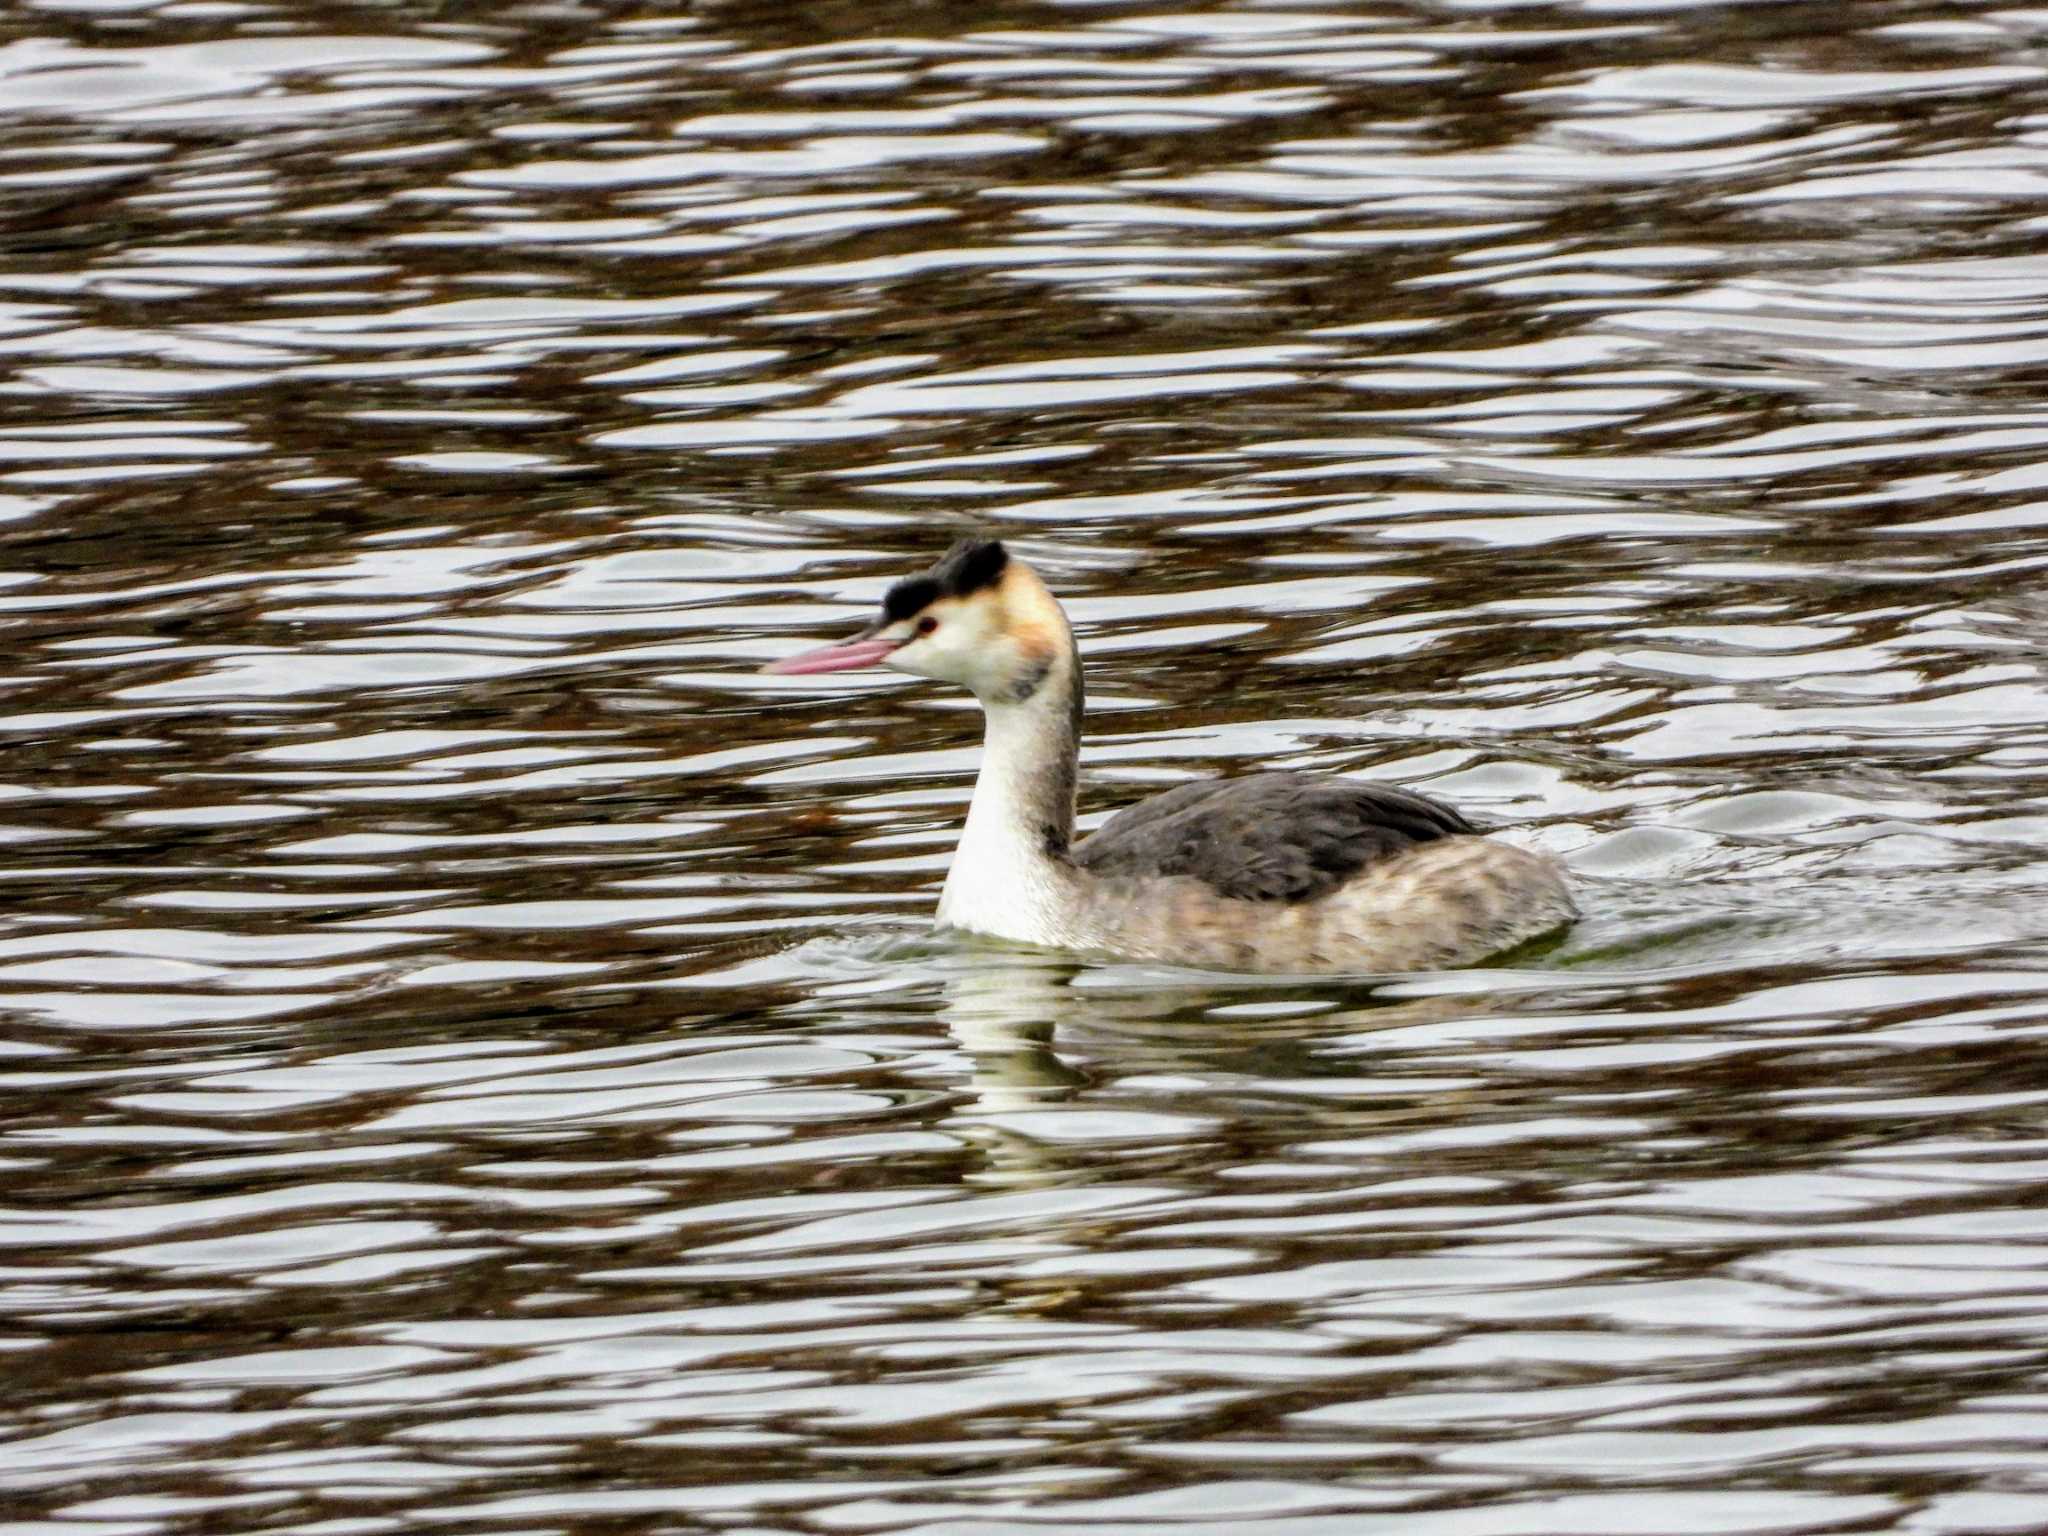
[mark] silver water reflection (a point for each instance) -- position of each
(471, 1056)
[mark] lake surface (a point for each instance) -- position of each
(474, 1059)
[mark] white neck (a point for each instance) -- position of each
(1010, 875)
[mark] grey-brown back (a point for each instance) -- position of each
(1286, 837)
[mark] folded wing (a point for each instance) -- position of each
(1268, 836)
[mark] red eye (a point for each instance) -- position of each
(927, 624)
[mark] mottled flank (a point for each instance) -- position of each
(1450, 902)
(1295, 872)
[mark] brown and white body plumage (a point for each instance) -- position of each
(1271, 872)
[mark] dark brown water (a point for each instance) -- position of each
(473, 1059)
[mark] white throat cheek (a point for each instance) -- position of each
(914, 658)
(941, 657)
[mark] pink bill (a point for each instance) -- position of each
(843, 657)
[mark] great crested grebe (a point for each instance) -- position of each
(1270, 872)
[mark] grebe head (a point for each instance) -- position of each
(977, 618)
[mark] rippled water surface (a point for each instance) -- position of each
(473, 1059)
